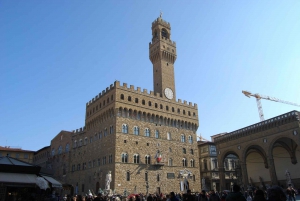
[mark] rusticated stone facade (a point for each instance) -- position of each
(125, 128)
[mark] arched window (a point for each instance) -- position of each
(136, 130)
(100, 135)
(129, 98)
(122, 97)
(164, 33)
(192, 163)
(167, 108)
(136, 158)
(85, 141)
(184, 150)
(192, 151)
(184, 163)
(124, 128)
(59, 150)
(190, 139)
(124, 158)
(146, 176)
(80, 142)
(168, 136)
(127, 176)
(170, 162)
(67, 148)
(75, 143)
(157, 177)
(149, 103)
(53, 152)
(143, 102)
(170, 149)
(147, 132)
(182, 138)
(111, 129)
(105, 132)
(147, 159)
(156, 134)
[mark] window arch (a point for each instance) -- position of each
(147, 132)
(183, 150)
(182, 138)
(75, 143)
(136, 130)
(190, 139)
(122, 97)
(136, 158)
(85, 140)
(111, 129)
(156, 134)
(80, 142)
(164, 33)
(53, 152)
(136, 100)
(143, 102)
(184, 162)
(100, 135)
(124, 158)
(129, 98)
(59, 150)
(147, 159)
(124, 128)
(67, 147)
(169, 136)
(192, 151)
(105, 132)
(192, 163)
(149, 103)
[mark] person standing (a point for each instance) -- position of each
(213, 196)
(236, 195)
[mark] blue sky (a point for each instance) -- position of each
(57, 55)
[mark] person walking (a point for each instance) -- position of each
(236, 195)
(213, 196)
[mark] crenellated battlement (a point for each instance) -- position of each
(79, 130)
(151, 93)
(132, 88)
(160, 21)
(101, 94)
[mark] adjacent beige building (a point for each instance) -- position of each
(18, 153)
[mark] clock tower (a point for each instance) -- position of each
(162, 53)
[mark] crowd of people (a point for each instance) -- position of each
(274, 193)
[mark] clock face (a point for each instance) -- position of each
(168, 93)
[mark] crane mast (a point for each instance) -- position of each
(258, 102)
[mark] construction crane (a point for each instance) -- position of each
(259, 96)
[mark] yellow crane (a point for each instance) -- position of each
(258, 102)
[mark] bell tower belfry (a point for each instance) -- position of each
(162, 53)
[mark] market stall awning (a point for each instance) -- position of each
(7, 177)
(54, 182)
